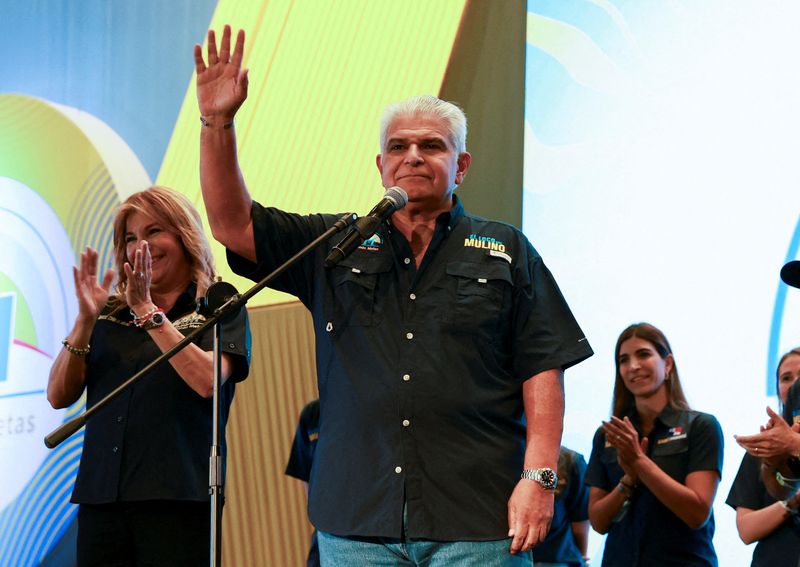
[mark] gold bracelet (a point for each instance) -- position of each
(81, 352)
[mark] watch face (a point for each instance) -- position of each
(548, 478)
(157, 319)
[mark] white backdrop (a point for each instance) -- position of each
(660, 186)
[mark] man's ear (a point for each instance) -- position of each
(464, 161)
(379, 163)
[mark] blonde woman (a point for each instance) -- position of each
(142, 485)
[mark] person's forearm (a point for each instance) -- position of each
(754, 525)
(580, 534)
(543, 398)
(68, 373)
(227, 200)
(604, 508)
(193, 364)
(687, 504)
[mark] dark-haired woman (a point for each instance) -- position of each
(655, 465)
(142, 485)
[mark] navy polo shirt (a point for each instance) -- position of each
(648, 533)
(781, 548)
(153, 441)
(420, 370)
(571, 505)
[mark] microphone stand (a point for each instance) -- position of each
(230, 307)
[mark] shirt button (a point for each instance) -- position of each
(115, 449)
(231, 345)
(409, 336)
(406, 423)
(406, 377)
(398, 470)
(406, 261)
(119, 418)
(413, 296)
(329, 327)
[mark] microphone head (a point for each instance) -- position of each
(397, 196)
(790, 273)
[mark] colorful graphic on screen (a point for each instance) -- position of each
(47, 215)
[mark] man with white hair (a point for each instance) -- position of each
(441, 346)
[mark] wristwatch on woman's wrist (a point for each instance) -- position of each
(154, 321)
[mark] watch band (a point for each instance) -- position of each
(546, 477)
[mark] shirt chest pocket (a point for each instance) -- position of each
(482, 292)
(672, 456)
(354, 293)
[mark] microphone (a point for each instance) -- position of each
(394, 199)
(217, 295)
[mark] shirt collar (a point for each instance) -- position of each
(450, 218)
(669, 417)
(446, 220)
(185, 303)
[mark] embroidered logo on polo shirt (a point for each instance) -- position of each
(484, 242)
(371, 244)
(675, 433)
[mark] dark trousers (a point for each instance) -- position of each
(144, 534)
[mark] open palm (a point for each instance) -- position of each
(222, 83)
(92, 295)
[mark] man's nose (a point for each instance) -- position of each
(413, 156)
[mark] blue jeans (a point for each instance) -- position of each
(338, 551)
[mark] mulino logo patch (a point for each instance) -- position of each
(484, 242)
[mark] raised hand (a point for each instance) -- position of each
(92, 295)
(222, 84)
(139, 276)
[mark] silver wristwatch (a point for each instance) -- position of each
(155, 320)
(547, 478)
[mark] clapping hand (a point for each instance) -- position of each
(137, 288)
(622, 435)
(92, 295)
(776, 438)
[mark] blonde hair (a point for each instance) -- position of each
(177, 215)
